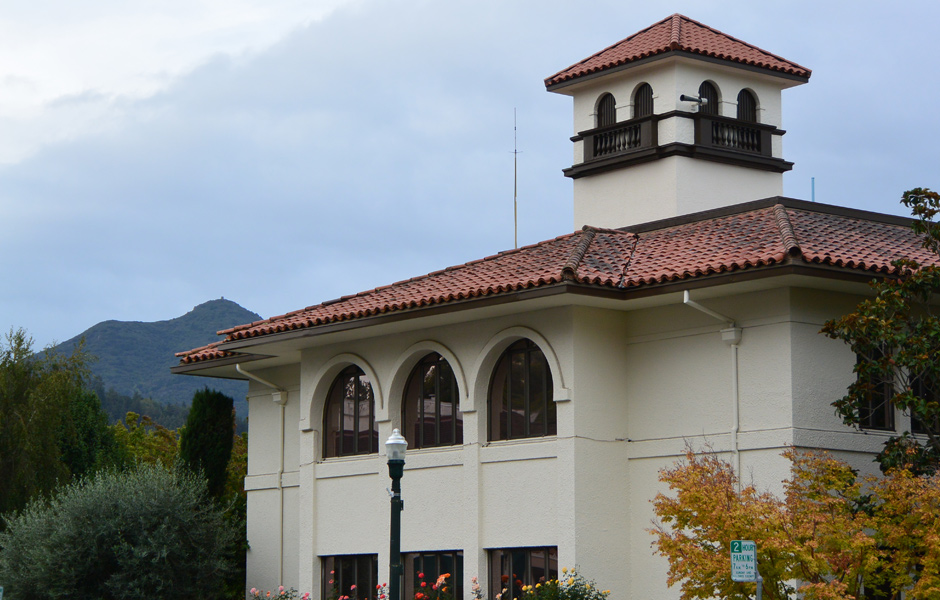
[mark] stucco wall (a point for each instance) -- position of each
(632, 389)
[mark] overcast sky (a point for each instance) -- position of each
(279, 153)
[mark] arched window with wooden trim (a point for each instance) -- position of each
(430, 415)
(349, 419)
(708, 92)
(520, 403)
(747, 106)
(643, 101)
(606, 110)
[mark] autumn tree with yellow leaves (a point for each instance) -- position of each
(832, 535)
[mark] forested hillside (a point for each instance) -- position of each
(133, 359)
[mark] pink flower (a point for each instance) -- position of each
(352, 587)
(280, 589)
(254, 591)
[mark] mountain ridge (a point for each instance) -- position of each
(134, 357)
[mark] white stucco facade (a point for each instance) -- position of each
(633, 386)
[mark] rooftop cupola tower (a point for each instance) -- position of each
(675, 119)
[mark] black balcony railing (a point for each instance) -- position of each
(722, 139)
(618, 138)
(731, 134)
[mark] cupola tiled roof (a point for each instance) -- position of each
(743, 238)
(678, 33)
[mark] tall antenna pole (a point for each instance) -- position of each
(515, 182)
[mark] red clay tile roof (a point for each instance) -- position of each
(759, 235)
(678, 32)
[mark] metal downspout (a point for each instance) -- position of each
(731, 335)
(280, 398)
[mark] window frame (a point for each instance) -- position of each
(336, 432)
(496, 563)
(416, 562)
(643, 100)
(365, 582)
(499, 418)
(747, 101)
(415, 396)
(605, 111)
(711, 107)
(876, 412)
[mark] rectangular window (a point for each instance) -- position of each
(512, 568)
(432, 565)
(341, 573)
(922, 390)
(875, 410)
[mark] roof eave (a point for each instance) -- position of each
(789, 266)
(555, 87)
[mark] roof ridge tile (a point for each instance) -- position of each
(791, 245)
(570, 270)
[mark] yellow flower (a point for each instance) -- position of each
(587, 586)
(538, 585)
(564, 569)
(570, 580)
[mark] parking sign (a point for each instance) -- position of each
(743, 560)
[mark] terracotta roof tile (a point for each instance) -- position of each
(621, 259)
(678, 32)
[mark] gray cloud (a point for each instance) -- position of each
(376, 145)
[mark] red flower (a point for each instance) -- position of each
(424, 584)
(420, 575)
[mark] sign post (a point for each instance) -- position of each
(744, 563)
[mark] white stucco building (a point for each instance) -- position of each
(542, 389)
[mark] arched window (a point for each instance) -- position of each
(709, 93)
(643, 101)
(747, 107)
(606, 110)
(520, 401)
(430, 414)
(349, 419)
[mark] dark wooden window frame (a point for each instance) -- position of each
(928, 393)
(876, 411)
(606, 111)
(421, 426)
(709, 91)
(747, 106)
(339, 437)
(432, 565)
(500, 413)
(505, 565)
(643, 101)
(346, 570)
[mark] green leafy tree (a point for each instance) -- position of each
(44, 410)
(896, 336)
(148, 532)
(206, 440)
(140, 439)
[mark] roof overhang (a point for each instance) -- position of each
(278, 349)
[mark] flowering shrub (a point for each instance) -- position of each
(281, 594)
(439, 590)
(570, 586)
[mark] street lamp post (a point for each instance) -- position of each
(395, 447)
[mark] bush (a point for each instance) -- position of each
(146, 533)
